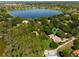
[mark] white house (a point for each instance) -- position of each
(25, 21)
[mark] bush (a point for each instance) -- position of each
(53, 45)
(65, 53)
(76, 44)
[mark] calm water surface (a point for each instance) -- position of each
(34, 13)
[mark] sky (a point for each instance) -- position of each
(39, 0)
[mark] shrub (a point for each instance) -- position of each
(76, 44)
(53, 45)
(66, 53)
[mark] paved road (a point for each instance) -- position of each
(66, 43)
(53, 53)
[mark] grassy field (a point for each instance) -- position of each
(2, 46)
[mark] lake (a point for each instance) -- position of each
(34, 13)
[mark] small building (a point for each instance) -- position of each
(76, 52)
(66, 33)
(66, 15)
(74, 13)
(18, 25)
(36, 33)
(55, 38)
(25, 21)
(39, 22)
(71, 21)
(48, 21)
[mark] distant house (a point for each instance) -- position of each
(48, 21)
(74, 13)
(39, 22)
(65, 33)
(66, 15)
(71, 21)
(18, 25)
(25, 21)
(36, 33)
(74, 9)
(55, 38)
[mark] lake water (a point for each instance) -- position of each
(34, 13)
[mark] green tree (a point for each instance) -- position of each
(53, 45)
(76, 44)
(66, 53)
